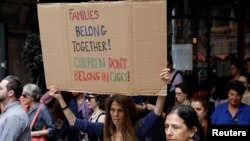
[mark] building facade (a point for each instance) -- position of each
(203, 37)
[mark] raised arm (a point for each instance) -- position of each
(165, 74)
(54, 91)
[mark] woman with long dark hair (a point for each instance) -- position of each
(121, 121)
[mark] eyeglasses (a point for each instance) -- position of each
(88, 97)
(24, 95)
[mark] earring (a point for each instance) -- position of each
(191, 139)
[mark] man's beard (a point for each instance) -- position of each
(2, 99)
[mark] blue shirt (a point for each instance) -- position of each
(221, 115)
(72, 133)
(44, 118)
(139, 99)
(14, 123)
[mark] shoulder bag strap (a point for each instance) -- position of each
(102, 113)
(172, 80)
(36, 115)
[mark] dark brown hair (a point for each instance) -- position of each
(14, 84)
(130, 119)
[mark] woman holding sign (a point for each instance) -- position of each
(121, 121)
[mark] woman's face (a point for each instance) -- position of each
(234, 98)
(179, 95)
(234, 70)
(199, 109)
(27, 99)
(91, 101)
(117, 114)
(176, 129)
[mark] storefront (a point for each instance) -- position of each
(213, 33)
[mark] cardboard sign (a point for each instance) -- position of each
(104, 47)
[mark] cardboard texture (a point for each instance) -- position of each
(105, 47)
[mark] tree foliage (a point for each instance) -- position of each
(32, 57)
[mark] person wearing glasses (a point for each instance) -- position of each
(96, 103)
(43, 125)
(175, 79)
(121, 121)
(14, 122)
(182, 95)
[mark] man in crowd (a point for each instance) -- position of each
(14, 122)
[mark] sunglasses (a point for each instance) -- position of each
(87, 97)
(24, 95)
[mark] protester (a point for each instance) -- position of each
(201, 107)
(236, 70)
(182, 95)
(121, 121)
(182, 124)
(96, 103)
(246, 95)
(42, 125)
(14, 122)
(175, 79)
(79, 108)
(218, 91)
(57, 115)
(234, 111)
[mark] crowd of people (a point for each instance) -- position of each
(26, 113)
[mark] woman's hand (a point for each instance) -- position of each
(165, 74)
(54, 91)
(158, 109)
